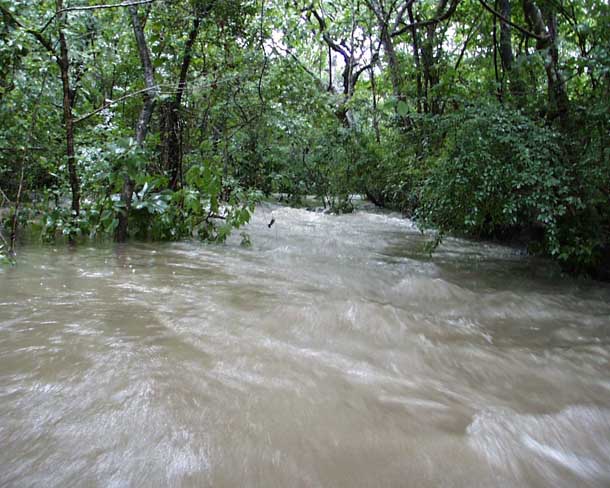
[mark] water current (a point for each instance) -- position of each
(332, 353)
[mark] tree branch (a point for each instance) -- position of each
(512, 24)
(331, 43)
(448, 13)
(94, 7)
(401, 14)
(37, 34)
(188, 49)
(109, 103)
(4, 198)
(110, 5)
(374, 60)
(299, 63)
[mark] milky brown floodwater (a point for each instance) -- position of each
(332, 353)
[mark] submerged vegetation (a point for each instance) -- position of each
(166, 119)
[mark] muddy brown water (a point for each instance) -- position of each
(333, 353)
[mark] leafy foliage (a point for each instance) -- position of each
(469, 124)
(496, 170)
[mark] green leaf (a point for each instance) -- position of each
(402, 108)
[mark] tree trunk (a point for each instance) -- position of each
(506, 49)
(558, 102)
(494, 34)
(430, 56)
(171, 141)
(515, 84)
(374, 99)
(171, 113)
(427, 67)
(64, 66)
(558, 97)
(143, 122)
(395, 75)
(349, 85)
(15, 222)
(415, 45)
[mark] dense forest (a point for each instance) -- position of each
(163, 120)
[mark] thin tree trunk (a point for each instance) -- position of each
(375, 112)
(558, 102)
(558, 97)
(385, 36)
(64, 65)
(395, 75)
(143, 121)
(515, 84)
(15, 222)
(330, 70)
(171, 114)
(171, 149)
(415, 45)
(506, 50)
(499, 84)
(429, 58)
(149, 77)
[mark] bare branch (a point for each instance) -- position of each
(95, 7)
(110, 103)
(110, 5)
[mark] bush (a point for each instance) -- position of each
(500, 173)
(497, 171)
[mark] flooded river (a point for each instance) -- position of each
(332, 353)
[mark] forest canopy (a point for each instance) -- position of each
(158, 119)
